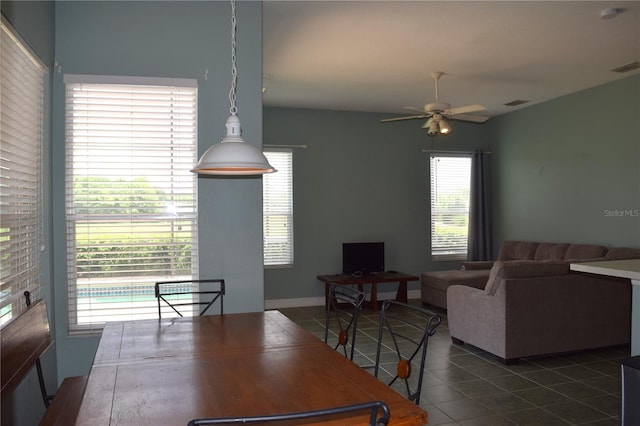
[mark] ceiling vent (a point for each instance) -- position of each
(627, 67)
(516, 102)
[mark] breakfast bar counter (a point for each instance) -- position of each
(629, 268)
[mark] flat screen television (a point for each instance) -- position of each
(362, 258)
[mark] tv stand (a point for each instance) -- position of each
(373, 280)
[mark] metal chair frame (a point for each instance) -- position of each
(373, 406)
(345, 303)
(418, 345)
(217, 294)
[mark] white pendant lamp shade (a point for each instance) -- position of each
(233, 156)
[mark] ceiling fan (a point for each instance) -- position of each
(437, 111)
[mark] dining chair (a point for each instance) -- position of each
(343, 307)
(192, 293)
(405, 330)
(46, 398)
(336, 412)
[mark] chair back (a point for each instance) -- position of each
(343, 307)
(326, 414)
(183, 296)
(23, 340)
(405, 330)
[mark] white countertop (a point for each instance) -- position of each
(629, 268)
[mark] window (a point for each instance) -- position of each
(450, 187)
(130, 198)
(22, 77)
(277, 210)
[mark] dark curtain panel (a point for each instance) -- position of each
(480, 208)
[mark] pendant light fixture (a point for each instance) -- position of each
(233, 156)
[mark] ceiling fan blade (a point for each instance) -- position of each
(469, 117)
(465, 109)
(411, 117)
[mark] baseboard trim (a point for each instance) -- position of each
(319, 300)
(294, 303)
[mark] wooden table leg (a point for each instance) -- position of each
(401, 294)
(374, 296)
(326, 295)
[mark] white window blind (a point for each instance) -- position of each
(277, 210)
(130, 196)
(450, 187)
(22, 78)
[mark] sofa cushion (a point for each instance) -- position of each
(517, 250)
(523, 269)
(550, 251)
(477, 264)
(584, 252)
(441, 280)
(622, 253)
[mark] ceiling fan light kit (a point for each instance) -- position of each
(437, 111)
(437, 125)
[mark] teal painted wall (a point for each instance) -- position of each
(171, 39)
(358, 180)
(560, 171)
(34, 21)
(563, 168)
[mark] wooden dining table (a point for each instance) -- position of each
(169, 371)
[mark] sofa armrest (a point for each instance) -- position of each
(475, 316)
(478, 264)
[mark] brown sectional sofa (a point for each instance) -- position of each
(529, 303)
(434, 285)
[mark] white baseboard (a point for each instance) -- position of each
(319, 300)
(294, 303)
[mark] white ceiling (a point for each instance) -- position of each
(378, 56)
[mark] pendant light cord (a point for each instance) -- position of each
(234, 73)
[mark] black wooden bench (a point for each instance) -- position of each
(24, 340)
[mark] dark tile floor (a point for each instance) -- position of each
(466, 386)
